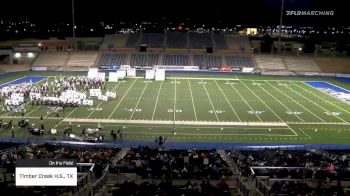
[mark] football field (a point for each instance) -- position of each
(223, 109)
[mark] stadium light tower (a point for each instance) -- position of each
(73, 21)
(280, 27)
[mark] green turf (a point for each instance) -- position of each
(204, 108)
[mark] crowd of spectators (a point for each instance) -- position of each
(99, 156)
(331, 162)
(167, 188)
(302, 188)
(293, 172)
(299, 172)
(173, 164)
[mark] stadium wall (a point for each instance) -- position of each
(174, 50)
(119, 50)
(180, 145)
(198, 51)
(14, 68)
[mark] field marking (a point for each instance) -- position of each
(199, 78)
(285, 126)
(32, 111)
(174, 111)
(170, 122)
(137, 104)
(321, 97)
(13, 81)
(155, 106)
(122, 99)
(337, 86)
(102, 101)
(194, 108)
(5, 114)
(301, 130)
(262, 101)
(206, 134)
(315, 103)
(280, 102)
(228, 101)
(245, 102)
(296, 102)
(205, 88)
(66, 117)
(200, 123)
(293, 130)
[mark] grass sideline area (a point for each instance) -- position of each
(227, 108)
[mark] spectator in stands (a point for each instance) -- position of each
(13, 131)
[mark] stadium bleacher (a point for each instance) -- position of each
(220, 41)
(133, 40)
(200, 40)
(153, 40)
(333, 65)
(176, 40)
(239, 43)
(51, 59)
(226, 111)
(280, 172)
(107, 59)
(82, 59)
(301, 64)
(208, 60)
(144, 59)
(115, 41)
(175, 59)
(239, 61)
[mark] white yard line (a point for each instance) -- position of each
(305, 133)
(285, 127)
(321, 97)
(192, 78)
(295, 102)
(288, 109)
(174, 110)
(167, 122)
(171, 122)
(12, 80)
(337, 86)
(194, 108)
(66, 117)
(122, 99)
(245, 101)
(155, 106)
(101, 102)
(205, 88)
(293, 130)
(5, 114)
(228, 101)
(143, 91)
(315, 103)
(262, 102)
(207, 134)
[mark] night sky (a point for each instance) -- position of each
(246, 12)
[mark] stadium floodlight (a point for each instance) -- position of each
(18, 55)
(30, 55)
